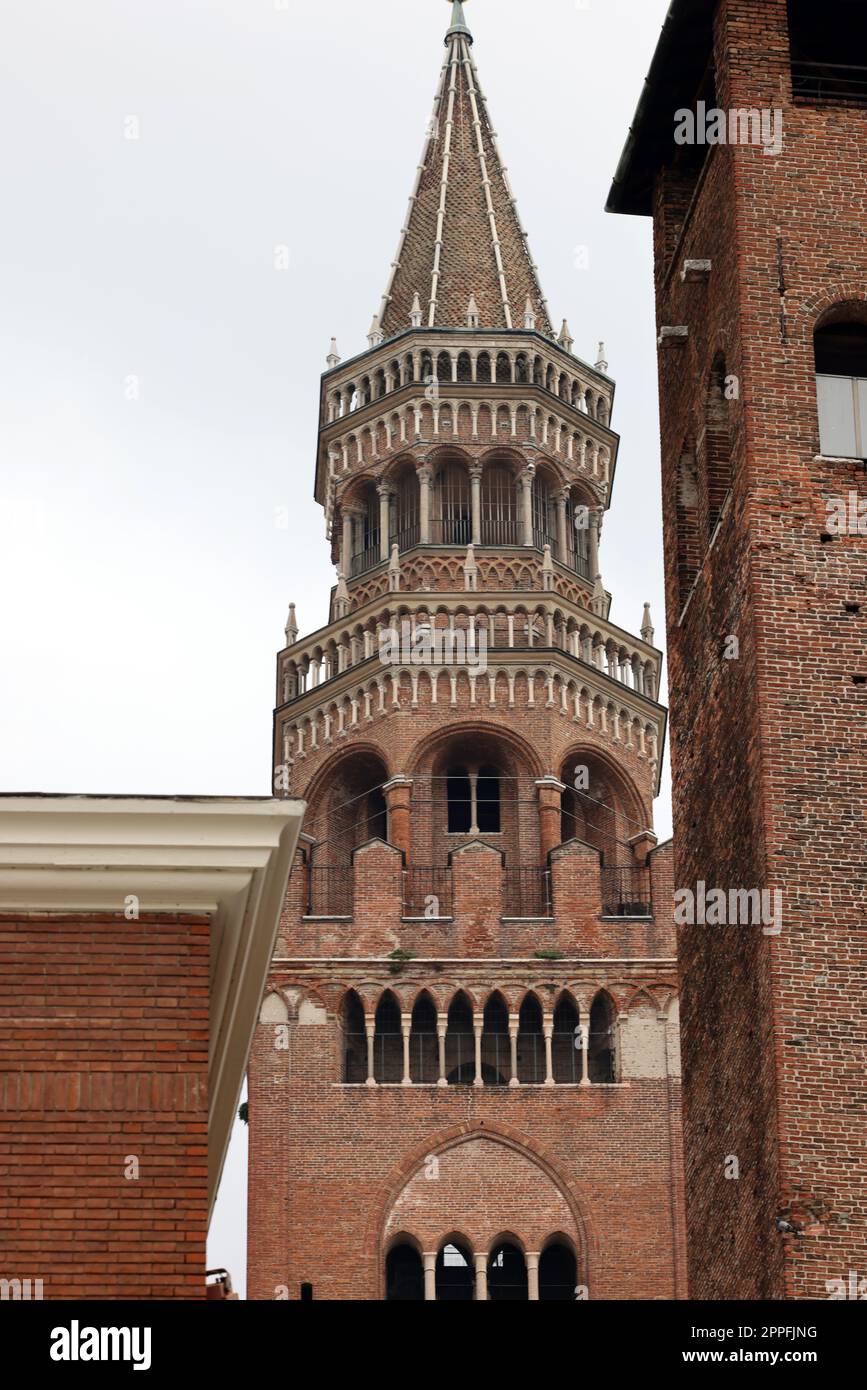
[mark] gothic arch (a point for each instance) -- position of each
(579, 1225)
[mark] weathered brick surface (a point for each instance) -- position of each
(104, 1058)
(768, 750)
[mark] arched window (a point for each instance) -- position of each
(507, 1275)
(717, 444)
(531, 1043)
(404, 1275)
(841, 387)
(566, 1043)
(406, 527)
(365, 534)
(388, 1042)
(483, 368)
(460, 1043)
(544, 519)
(423, 1043)
(460, 800)
(488, 801)
(499, 507)
(558, 1274)
(496, 1048)
(354, 1040)
(578, 537)
(455, 1282)
(453, 524)
(601, 1060)
(504, 369)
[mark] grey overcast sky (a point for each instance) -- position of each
(159, 376)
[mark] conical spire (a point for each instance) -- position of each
(647, 630)
(462, 202)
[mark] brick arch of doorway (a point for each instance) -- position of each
(392, 1186)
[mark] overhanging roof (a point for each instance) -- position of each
(679, 63)
(229, 858)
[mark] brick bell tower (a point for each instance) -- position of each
(761, 277)
(465, 1079)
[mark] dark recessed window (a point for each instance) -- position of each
(828, 43)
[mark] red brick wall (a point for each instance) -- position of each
(104, 1058)
(768, 751)
(329, 1164)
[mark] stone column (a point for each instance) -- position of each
(398, 800)
(549, 1054)
(442, 1025)
(562, 527)
(550, 805)
(481, 1262)
(478, 1026)
(425, 477)
(346, 544)
(405, 1028)
(513, 1050)
(370, 1030)
(384, 519)
(526, 481)
(532, 1277)
(429, 1260)
(476, 489)
(593, 538)
(585, 1048)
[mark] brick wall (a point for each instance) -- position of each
(768, 750)
(103, 1061)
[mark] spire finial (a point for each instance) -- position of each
(459, 23)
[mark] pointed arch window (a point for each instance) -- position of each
(566, 1043)
(531, 1043)
(423, 1043)
(602, 1058)
(507, 1275)
(404, 1275)
(354, 1038)
(455, 1282)
(496, 1045)
(460, 1043)
(388, 1042)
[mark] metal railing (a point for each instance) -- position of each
(427, 892)
(329, 891)
(829, 82)
(407, 538)
(365, 560)
(626, 892)
(452, 531)
(501, 531)
(527, 893)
